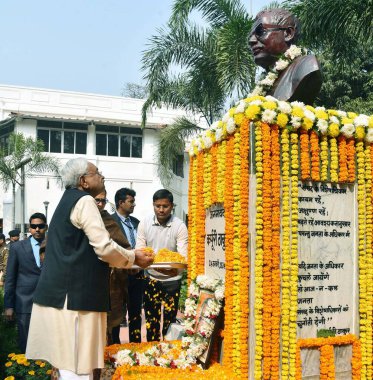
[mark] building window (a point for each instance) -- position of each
(118, 141)
(63, 137)
(178, 166)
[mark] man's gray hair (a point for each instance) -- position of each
(73, 170)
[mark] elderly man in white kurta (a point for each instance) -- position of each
(68, 321)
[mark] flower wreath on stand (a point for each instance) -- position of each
(196, 341)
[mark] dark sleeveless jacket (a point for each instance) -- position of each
(71, 268)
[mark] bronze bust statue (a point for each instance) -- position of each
(273, 32)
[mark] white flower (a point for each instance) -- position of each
(268, 80)
(219, 293)
(341, 113)
(284, 107)
(258, 90)
(334, 120)
(257, 102)
(295, 121)
(361, 120)
(144, 359)
(226, 117)
(190, 307)
(218, 134)
(348, 130)
(281, 64)
(124, 357)
(186, 341)
(268, 116)
(231, 126)
(214, 126)
(163, 362)
(320, 109)
(297, 104)
(309, 115)
(271, 98)
(241, 107)
(205, 328)
(293, 52)
(322, 125)
(207, 142)
(193, 289)
(369, 135)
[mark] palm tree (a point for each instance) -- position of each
(198, 69)
(19, 159)
(342, 26)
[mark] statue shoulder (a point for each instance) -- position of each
(301, 81)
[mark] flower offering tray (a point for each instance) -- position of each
(164, 265)
(169, 265)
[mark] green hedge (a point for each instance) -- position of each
(8, 337)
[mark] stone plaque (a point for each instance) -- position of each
(327, 268)
(215, 242)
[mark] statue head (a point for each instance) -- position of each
(274, 30)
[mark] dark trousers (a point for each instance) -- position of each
(136, 285)
(156, 293)
(23, 324)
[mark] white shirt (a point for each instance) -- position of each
(172, 236)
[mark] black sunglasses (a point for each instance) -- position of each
(35, 226)
(262, 29)
(100, 200)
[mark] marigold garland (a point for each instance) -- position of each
(285, 252)
(327, 153)
(275, 269)
(192, 223)
(293, 250)
(324, 157)
(315, 156)
(333, 159)
(267, 251)
(244, 255)
(351, 157)
(214, 174)
(228, 354)
(342, 156)
(362, 254)
(304, 155)
(258, 306)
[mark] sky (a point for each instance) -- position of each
(92, 46)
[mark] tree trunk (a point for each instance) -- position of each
(14, 206)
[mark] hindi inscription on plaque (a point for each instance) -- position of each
(215, 242)
(327, 266)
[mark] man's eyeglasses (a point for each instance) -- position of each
(262, 29)
(101, 200)
(41, 226)
(94, 173)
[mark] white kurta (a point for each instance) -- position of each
(75, 340)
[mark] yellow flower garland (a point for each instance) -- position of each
(327, 153)
(258, 306)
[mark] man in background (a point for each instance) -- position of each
(22, 276)
(162, 230)
(13, 236)
(3, 258)
(118, 276)
(125, 205)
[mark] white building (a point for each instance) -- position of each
(104, 129)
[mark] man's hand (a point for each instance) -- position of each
(143, 259)
(9, 314)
